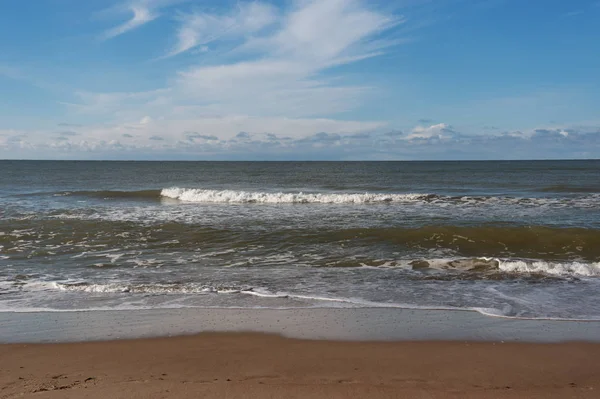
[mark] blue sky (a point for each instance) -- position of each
(300, 79)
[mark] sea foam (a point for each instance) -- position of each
(224, 196)
(198, 195)
(579, 269)
(511, 266)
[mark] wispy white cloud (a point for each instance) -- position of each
(201, 28)
(270, 77)
(330, 32)
(141, 12)
(277, 62)
(581, 11)
(141, 15)
(281, 72)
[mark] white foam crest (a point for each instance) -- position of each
(156, 288)
(551, 268)
(515, 266)
(231, 196)
(196, 195)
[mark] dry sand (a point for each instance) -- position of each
(249, 365)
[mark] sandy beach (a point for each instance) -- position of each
(250, 365)
(303, 353)
(336, 199)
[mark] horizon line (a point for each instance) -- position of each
(299, 160)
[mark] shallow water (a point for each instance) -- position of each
(516, 239)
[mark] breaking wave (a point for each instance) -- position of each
(235, 196)
(224, 196)
(512, 267)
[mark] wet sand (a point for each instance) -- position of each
(350, 324)
(251, 365)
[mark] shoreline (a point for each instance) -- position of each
(251, 365)
(295, 353)
(336, 324)
(283, 309)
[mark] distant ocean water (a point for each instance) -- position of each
(513, 239)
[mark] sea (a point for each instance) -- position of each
(516, 239)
